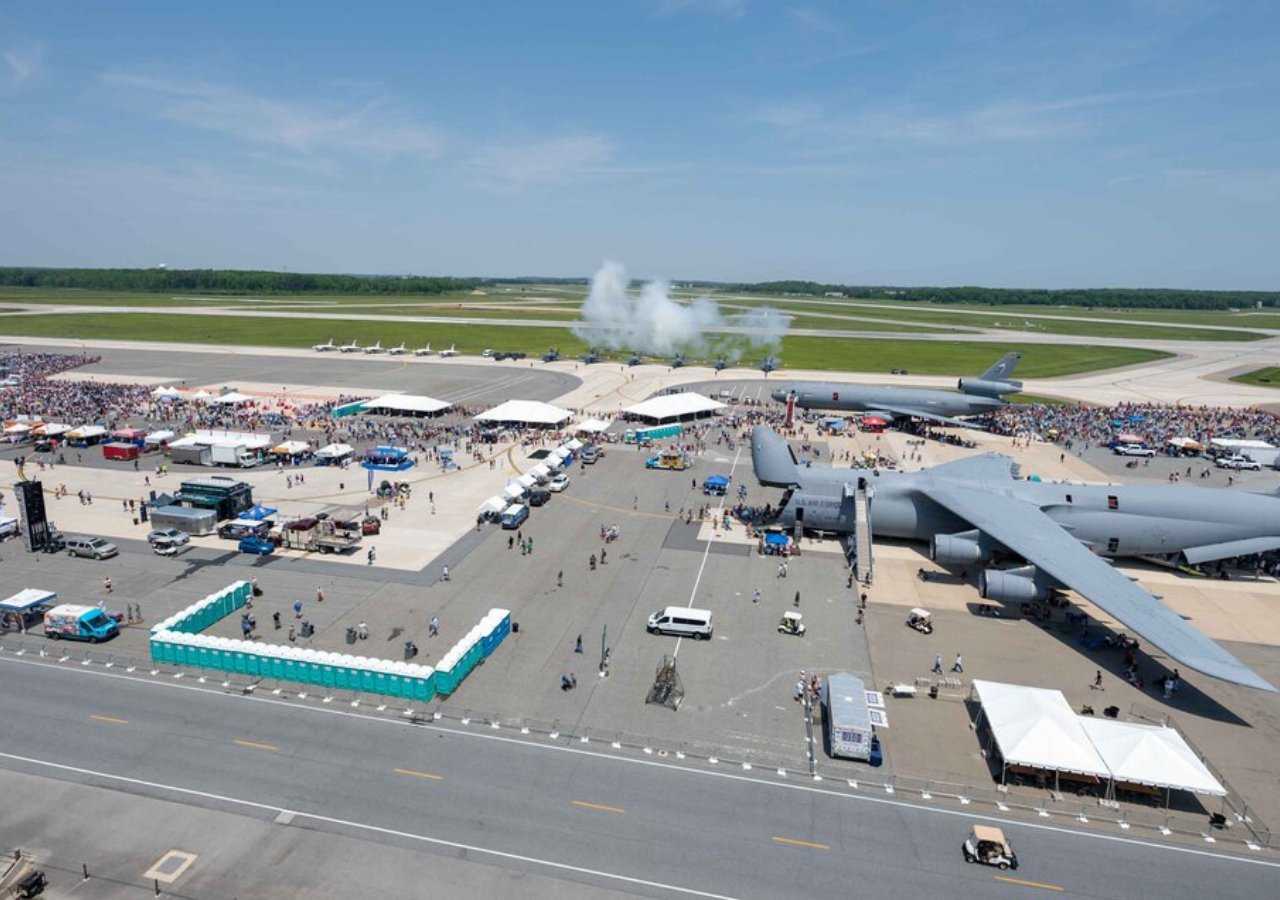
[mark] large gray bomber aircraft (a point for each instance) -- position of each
(974, 397)
(974, 508)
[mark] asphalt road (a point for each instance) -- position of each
(636, 825)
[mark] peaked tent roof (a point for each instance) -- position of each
(1149, 754)
(1036, 727)
(672, 406)
(407, 403)
(531, 412)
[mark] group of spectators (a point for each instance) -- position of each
(1153, 423)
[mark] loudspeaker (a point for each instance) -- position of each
(35, 525)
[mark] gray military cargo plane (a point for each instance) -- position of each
(974, 397)
(975, 508)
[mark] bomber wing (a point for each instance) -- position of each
(1039, 540)
(888, 412)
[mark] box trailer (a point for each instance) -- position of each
(121, 450)
(193, 521)
(233, 454)
(846, 717)
(194, 454)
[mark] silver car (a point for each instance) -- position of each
(173, 535)
(91, 547)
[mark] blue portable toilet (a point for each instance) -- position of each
(379, 669)
(368, 678)
(274, 659)
(289, 663)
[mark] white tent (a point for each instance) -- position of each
(673, 406)
(528, 479)
(51, 429)
(335, 451)
(17, 428)
(528, 412)
(540, 471)
(406, 404)
(514, 491)
(1149, 754)
(493, 505)
(233, 398)
(560, 453)
(85, 432)
(1036, 727)
(157, 437)
(291, 448)
(593, 426)
(166, 393)
(573, 444)
(201, 395)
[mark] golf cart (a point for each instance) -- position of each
(921, 620)
(165, 546)
(791, 623)
(988, 845)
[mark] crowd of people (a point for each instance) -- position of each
(1153, 423)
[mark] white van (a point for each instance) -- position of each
(694, 623)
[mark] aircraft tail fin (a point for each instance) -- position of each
(994, 382)
(771, 457)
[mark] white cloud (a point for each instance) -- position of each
(813, 19)
(369, 130)
(789, 115)
(541, 163)
(25, 62)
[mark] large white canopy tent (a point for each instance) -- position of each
(592, 426)
(527, 412)
(673, 406)
(1150, 755)
(406, 404)
(335, 451)
(231, 398)
(1036, 727)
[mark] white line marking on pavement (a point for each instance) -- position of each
(362, 826)
(685, 770)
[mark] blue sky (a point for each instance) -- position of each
(1020, 143)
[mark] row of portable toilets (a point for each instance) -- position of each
(177, 641)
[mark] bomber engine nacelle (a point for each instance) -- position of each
(989, 388)
(1020, 585)
(961, 549)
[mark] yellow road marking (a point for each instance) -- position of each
(256, 746)
(782, 840)
(597, 806)
(110, 719)
(1035, 884)
(418, 774)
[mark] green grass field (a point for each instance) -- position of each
(1268, 377)
(848, 355)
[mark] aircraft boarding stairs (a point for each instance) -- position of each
(857, 546)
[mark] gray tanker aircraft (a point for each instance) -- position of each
(975, 508)
(974, 397)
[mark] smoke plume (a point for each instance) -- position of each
(651, 321)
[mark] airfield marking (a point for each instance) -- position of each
(1034, 884)
(110, 719)
(794, 843)
(419, 774)
(553, 748)
(257, 746)
(586, 805)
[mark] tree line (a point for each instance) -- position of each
(228, 281)
(1129, 298)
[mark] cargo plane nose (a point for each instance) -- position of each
(780, 395)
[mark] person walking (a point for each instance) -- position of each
(937, 664)
(275, 619)
(603, 555)
(106, 585)
(319, 595)
(293, 635)
(577, 647)
(958, 665)
(444, 573)
(756, 597)
(297, 609)
(1097, 681)
(796, 604)
(373, 554)
(560, 578)
(433, 627)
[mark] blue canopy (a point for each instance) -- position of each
(1137, 418)
(717, 481)
(258, 512)
(774, 539)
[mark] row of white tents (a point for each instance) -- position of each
(516, 487)
(1037, 728)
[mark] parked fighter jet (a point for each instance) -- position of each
(973, 509)
(423, 351)
(349, 348)
(975, 396)
(452, 351)
(591, 356)
(398, 351)
(720, 364)
(324, 348)
(770, 363)
(635, 360)
(551, 355)
(374, 348)
(677, 361)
